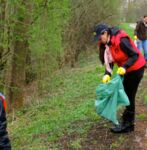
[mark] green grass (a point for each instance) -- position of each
(145, 99)
(128, 29)
(141, 116)
(72, 100)
(76, 144)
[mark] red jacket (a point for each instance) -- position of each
(2, 98)
(120, 58)
(4, 139)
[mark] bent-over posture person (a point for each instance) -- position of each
(116, 47)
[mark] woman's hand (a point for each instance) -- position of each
(106, 78)
(135, 37)
(121, 71)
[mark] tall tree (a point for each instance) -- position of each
(2, 38)
(18, 21)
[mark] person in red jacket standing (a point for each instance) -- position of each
(4, 139)
(116, 47)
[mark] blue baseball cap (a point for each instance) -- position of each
(98, 30)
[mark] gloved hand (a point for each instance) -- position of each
(121, 71)
(106, 78)
(135, 37)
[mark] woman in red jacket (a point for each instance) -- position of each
(115, 46)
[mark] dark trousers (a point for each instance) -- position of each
(131, 83)
(4, 139)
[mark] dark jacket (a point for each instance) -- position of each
(141, 30)
(4, 139)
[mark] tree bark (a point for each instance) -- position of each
(15, 74)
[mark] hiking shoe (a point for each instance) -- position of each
(123, 128)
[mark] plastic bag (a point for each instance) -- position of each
(110, 97)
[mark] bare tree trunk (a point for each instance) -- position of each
(2, 20)
(15, 74)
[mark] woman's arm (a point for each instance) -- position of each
(130, 51)
(107, 72)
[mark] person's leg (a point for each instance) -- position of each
(4, 139)
(139, 45)
(144, 45)
(131, 82)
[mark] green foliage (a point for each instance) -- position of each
(46, 38)
(46, 32)
(85, 14)
(128, 29)
(41, 25)
(52, 28)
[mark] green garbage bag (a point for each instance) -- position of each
(109, 97)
